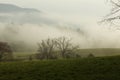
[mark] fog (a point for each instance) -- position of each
(31, 31)
(26, 29)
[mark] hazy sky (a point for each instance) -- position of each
(67, 8)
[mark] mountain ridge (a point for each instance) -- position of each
(11, 8)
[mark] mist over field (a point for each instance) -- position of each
(29, 26)
(59, 39)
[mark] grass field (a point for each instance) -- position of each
(98, 52)
(104, 68)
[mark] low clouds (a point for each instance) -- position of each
(31, 28)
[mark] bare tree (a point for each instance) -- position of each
(49, 48)
(46, 49)
(66, 47)
(114, 16)
(5, 51)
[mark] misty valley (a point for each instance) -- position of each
(60, 40)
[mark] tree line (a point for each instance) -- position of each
(61, 47)
(51, 48)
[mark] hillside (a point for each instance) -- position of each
(106, 68)
(100, 51)
(9, 8)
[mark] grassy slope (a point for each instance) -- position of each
(100, 51)
(107, 68)
(83, 52)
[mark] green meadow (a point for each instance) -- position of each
(99, 68)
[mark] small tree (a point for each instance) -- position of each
(30, 58)
(66, 47)
(46, 49)
(90, 55)
(5, 51)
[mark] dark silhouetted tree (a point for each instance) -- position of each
(53, 48)
(5, 51)
(66, 48)
(90, 55)
(46, 49)
(114, 16)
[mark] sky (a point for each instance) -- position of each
(78, 11)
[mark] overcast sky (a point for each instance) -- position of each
(77, 10)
